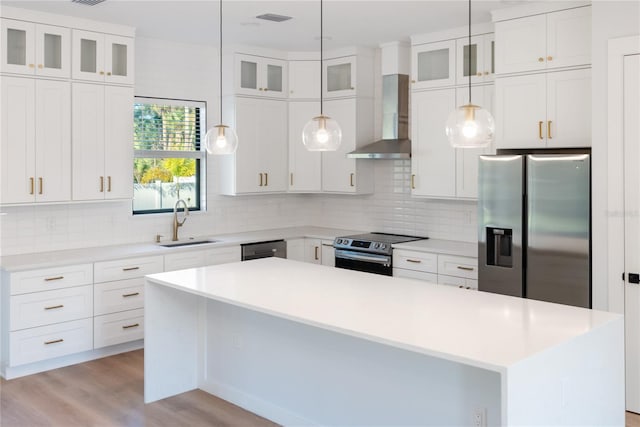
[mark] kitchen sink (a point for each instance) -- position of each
(188, 243)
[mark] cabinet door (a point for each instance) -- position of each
(521, 44)
(53, 141)
(118, 154)
(52, 51)
(248, 175)
(273, 145)
(18, 49)
(340, 77)
(569, 38)
(521, 111)
(433, 64)
(569, 109)
(467, 158)
(88, 56)
(339, 172)
(475, 66)
(17, 140)
(436, 176)
(328, 253)
(295, 249)
(119, 60)
(273, 73)
(305, 167)
(489, 52)
(87, 132)
(313, 251)
(247, 75)
(304, 80)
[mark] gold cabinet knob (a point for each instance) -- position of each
(260, 89)
(31, 65)
(108, 73)
(353, 88)
(486, 73)
(290, 91)
(40, 66)
(102, 73)
(541, 59)
(266, 89)
(549, 58)
(413, 81)
(479, 74)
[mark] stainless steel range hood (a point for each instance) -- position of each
(395, 143)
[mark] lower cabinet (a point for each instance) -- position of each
(201, 258)
(315, 251)
(451, 270)
(117, 328)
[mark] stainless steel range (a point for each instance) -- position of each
(371, 252)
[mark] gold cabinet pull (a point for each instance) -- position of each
(40, 66)
(32, 184)
(266, 179)
(133, 294)
(316, 253)
(486, 73)
(40, 185)
(479, 74)
(109, 184)
(549, 130)
(464, 268)
(32, 65)
(53, 341)
(549, 58)
(53, 307)
(102, 184)
(135, 325)
(102, 73)
(261, 184)
(413, 81)
(540, 130)
(50, 279)
(291, 179)
(108, 73)
(130, 268)
(351, 179)
(415, 261)
(541, 59)
(413, 181)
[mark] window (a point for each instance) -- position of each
(169, 162)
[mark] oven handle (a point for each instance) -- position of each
(378, 259)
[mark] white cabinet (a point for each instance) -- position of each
(433, 64)
(35, 140)
(257, 75)
(548, 110)
(547, 41)
(35, 49)
(315, 251)
(295, 249)
(328, 253)
(102, 57)
(201, 258)
(305, 167)
(259, 165)
(482, 65)
(415, 265)
(437, 268)
(102, 154)
(339, 173)
(304, 80)
(340, 75)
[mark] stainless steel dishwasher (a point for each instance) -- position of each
(276, 248)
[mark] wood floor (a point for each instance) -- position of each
(109, 392)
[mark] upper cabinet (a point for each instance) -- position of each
(35, 49)
(102, 57)
(260, 76)
(304, 80)
(340, 77)
(481, 64)
(433, 64)
(546, 41)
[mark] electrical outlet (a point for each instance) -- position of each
(480, 417)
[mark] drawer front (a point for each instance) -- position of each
(122, 269)
(458, 266)
(117, 328)
(50, 278)
(413, 274)
(46, 342)
(184, 260)
(46, 308)
(111, 297)
(419, 261)
(458, 282)
(224, 255)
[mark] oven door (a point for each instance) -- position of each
(362, 261)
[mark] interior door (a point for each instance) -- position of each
(631, 137)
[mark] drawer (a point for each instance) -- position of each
(458, 282)
(419, 261)
(458, 266)
(46, 342)
(46, 308)
(413, 274)
(224, 255)
(47, 279)
(117, 328)
(184, 260)
(122, 295)
(108, 271)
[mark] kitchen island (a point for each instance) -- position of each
(306, 344)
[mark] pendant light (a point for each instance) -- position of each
(321, 133)
(221, 139)
(470, 126)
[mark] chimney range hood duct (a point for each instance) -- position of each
(395, 143)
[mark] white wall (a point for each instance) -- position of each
(610, 19)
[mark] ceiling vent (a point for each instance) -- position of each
(88, 2)
(273, 17)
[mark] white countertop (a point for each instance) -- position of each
(30, 261)
(449, 247)
(480, 329)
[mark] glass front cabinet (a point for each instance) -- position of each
(433, 65)
(102, 57)
(261, 76)
(35, 49)
(482, 65)
(339, 77)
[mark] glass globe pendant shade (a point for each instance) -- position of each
(221, 139)
(322, 133)
(470, 126)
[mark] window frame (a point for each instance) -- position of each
(199, 156)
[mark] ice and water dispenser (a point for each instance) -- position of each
(499, 247)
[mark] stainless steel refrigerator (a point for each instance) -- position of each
(534, 232)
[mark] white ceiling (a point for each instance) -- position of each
(347, 22)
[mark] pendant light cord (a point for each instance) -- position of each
(469, 52)
(321, 59)
(220, 65)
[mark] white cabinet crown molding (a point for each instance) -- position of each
(535, 8)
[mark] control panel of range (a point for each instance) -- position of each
(362, 245)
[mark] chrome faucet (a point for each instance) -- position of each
(177, 224)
